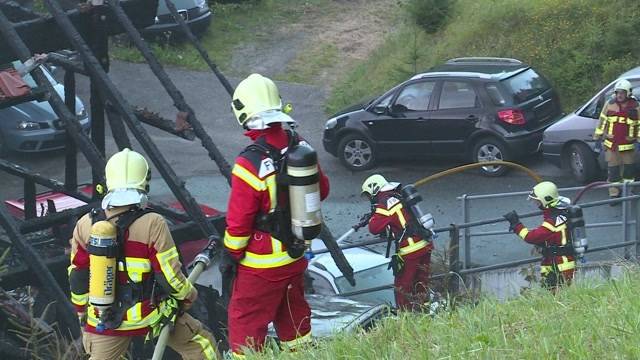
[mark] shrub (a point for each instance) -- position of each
(430, 15)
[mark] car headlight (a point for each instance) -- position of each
(331, 123)
(81, 114)
(28, 125)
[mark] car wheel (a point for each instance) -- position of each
(356, 152)
(491, 149)
(582, 163)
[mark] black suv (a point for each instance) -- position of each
(479, 108)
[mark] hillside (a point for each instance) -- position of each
(588, 321)
(580, 45)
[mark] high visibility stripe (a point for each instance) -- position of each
(567, 265)
(625, 147)
(266, 261)
(273, 192)
(620, 120)
(297, 342)
(79, 299)
(239, 356)
(413, 247)
(208, 351)
(135, 312)
(136, 267)
(149, 320)
(396, 209)
(302, 172)
(276, 245)
(248, 177)
(523, 233)
(607, 143)
(164, 259)
(235, 242)
(561, 229)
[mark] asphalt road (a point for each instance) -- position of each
(344, 206)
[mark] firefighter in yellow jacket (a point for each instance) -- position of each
(619, 126)
(130, 252)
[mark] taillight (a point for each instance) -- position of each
(512, 116)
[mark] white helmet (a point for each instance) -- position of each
(257, 104)
(623, 85)
(127, 174)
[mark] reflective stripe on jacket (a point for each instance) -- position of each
(254, 192)
(149, 251)
(553, 231)
(619, 124)
(389, 211)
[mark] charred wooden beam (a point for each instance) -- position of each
(66, 63)
(71, 150)
(157, 121)
(125, 110)
(42, 35)
(40, 271)
(118, 130)
(196, 43)
(176, 95)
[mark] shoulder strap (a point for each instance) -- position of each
(97, 214)
(123, 223)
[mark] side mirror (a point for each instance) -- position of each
(380, 109)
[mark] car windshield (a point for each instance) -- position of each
(526, 85)
(367, 279)
(592, 111)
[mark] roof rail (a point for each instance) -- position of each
(451, 73)
(483, 59)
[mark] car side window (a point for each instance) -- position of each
(458, 95)
(415, 97)
(593, 110)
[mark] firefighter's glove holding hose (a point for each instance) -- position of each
(227, 265)
(187, 303)
(513, 219)
(168, 310)
(396, 264)
(364, 220)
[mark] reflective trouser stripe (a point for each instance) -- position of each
(80, 299)
(265, 261)
(297, 342)
(128, 324)
(208, 351)
(566, 265)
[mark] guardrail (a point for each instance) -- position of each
(457, 268)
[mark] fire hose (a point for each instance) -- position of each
(202, 261)
(457, 170)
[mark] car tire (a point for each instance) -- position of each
(491, 149)
(581, 162)
(356, 152)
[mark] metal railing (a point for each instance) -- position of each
(457, 268)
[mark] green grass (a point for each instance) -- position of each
(580, 45)
(308, 65)
(232, 25)
(587, 321)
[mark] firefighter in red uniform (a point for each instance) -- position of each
(553, 237)
(412, 259)
(619, 126)
(269, 278)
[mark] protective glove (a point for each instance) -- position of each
(513, 219)
(227, 265)
(364, 220)
(396, 264)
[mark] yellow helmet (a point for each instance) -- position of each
(257, 103)
(623, 85)
(373, 184)
(127, 174)
(546, 193)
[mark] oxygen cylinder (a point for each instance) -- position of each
(304, 192)
(412, 199)
(578, 232)
(102, 250)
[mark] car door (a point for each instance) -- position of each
(396, 127)
(454, 118)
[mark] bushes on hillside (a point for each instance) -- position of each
(430, 15)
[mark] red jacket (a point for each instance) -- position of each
(253, 192)
(389, 211)
(552, 232)
(619, 124)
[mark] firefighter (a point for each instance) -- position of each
(150, 287)
(412, 258)
(270, 264)
(619, 126)
(552, 238)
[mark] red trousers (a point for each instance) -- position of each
(255, 302)
(411, 285)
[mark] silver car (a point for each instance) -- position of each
(33, 126)
(568, 143)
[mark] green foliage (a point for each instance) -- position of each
(587, 321)
(430, 15)
(580, 45)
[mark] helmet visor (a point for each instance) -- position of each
(263, 119)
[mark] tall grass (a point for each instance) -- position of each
(587, 321)
(580, 45)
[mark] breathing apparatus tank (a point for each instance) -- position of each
(304, 194)
(102, 248)
(412, 200)
(578, 232)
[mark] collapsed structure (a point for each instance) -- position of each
(78, 41)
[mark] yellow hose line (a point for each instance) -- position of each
(462, 168)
